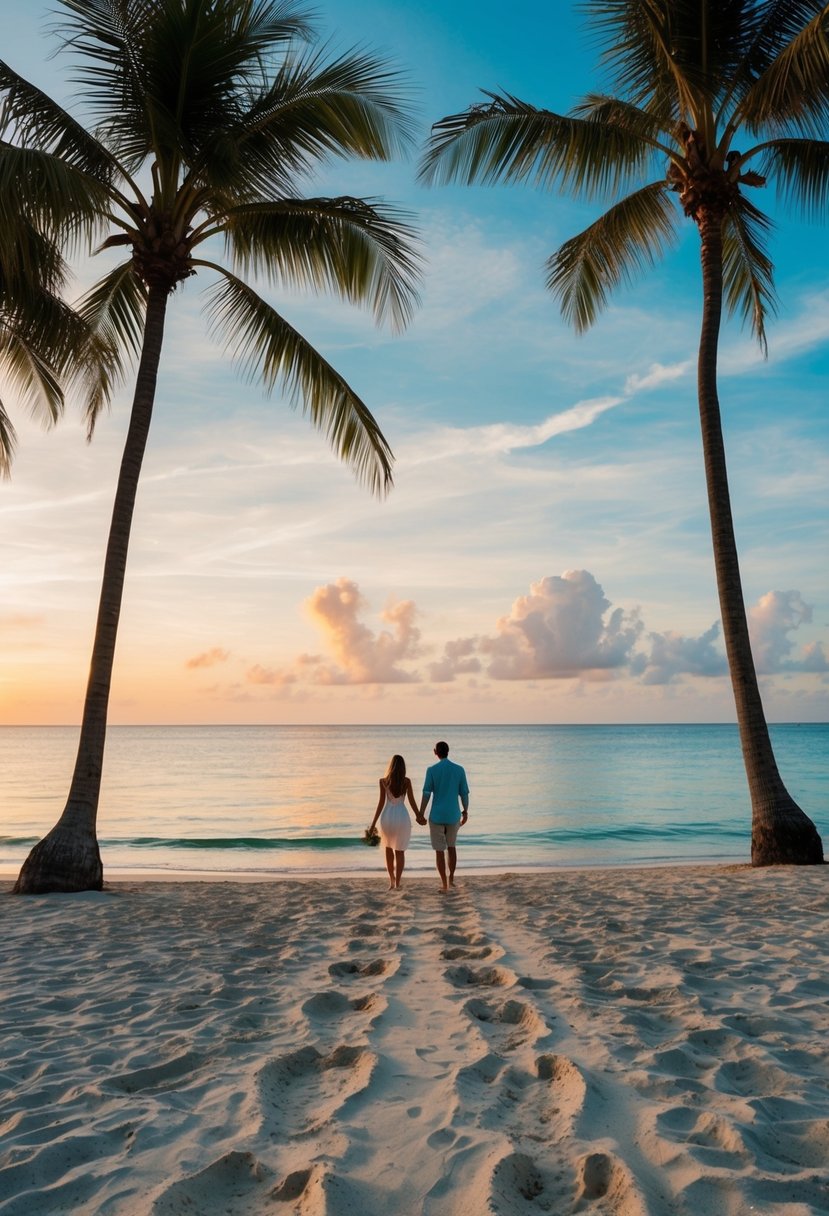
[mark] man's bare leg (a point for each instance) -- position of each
(453, 861)
(440, 862)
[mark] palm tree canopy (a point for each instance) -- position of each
(714, 96)
(208, 116)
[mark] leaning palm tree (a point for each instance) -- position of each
(694, 77)
(209, 114)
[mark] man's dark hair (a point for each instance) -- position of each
(442, 750)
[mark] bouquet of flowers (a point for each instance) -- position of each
(371, 836)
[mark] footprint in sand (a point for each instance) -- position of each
(377, 966)
(520, 1184)
(606, 1182)
(299, 1092)
(453, 938)
(565, 1089)
(485, 977)
(328, 1006)
(470, 952)
(535, 985)
(512, 1014)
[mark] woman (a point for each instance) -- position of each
(395, 824)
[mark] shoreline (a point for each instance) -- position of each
(115, 874)
(626, 1042)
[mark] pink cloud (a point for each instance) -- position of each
(208, 658)
(565, 627)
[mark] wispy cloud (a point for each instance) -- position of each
(501, 438)
(208, 658)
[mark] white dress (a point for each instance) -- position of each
(395, 824)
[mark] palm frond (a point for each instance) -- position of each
(629, 237)
(748, 273)
(29, 260)
(162, 78)
(312, 112)
(625, 116)
(115, 306)
(769, 29)
(46, 346)
(650, 51)
(361, 249)
(791, 96)
(35, 380)
(8, 442)
(55, 196)
(266, 346)
(113, 313)
(507, 140)
(41, 123)
(800, 168)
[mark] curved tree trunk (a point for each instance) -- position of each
(780, 832)
(68, 858)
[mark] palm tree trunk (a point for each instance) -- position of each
(780, 832)
(68, 858)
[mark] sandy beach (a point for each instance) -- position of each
(613, 1042)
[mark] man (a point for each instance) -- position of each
(447, 782)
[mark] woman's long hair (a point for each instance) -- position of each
(395, 777)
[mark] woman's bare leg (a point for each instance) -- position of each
(390, 867)
(399, 863)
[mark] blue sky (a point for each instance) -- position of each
(545, 553)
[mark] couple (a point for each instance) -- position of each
(445, 781)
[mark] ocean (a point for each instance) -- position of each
(278, 800)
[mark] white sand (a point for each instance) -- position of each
(604, 1042)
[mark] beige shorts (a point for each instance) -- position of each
(443, 835)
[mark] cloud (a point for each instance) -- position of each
(565, 627)
(674, 655)
(459, 658)
(656, 375)
(502, 437)
(360, 655)
(208, 658)
(775, 616)
(363, 656)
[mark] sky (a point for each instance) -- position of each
(545, 553)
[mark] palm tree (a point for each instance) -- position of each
(694, 77)
(208, 115)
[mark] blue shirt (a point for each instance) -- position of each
(446, 782)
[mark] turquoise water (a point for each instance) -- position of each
(275, 800)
